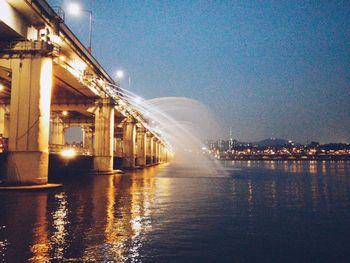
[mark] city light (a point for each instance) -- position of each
(119, 74)
(65, 113)
(138, 100)
(249, 151)
(74, 8)
(68, 153)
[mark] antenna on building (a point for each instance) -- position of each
(230, 142)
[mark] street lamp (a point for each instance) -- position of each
(120, 75)
(75, 9)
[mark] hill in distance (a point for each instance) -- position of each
(272, 142)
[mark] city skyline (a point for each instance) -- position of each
(271, 69)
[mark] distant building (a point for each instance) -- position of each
(230, 143)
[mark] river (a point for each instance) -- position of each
(257, 211)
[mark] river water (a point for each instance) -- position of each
(262, 211)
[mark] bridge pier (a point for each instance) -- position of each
(154, 146)
(148, 148)
(4, 121)
(88, 139)
(104, 132)
(160, 153)
(157, 151)
(129, 137)
(57, 126)
(141, 147)
(30, 119)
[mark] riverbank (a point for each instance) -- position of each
(287, 157)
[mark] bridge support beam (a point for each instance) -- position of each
(157, 151)
(57, 130)
(165, 155)
(160, 153)
(154, 151)
(88, 139)
(141, 147)
(129, 138)
(30, 120)
(4, 121)
(103, 140)
(148, 148)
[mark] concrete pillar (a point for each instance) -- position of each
(161, 158)
(115, 146)
(118, 152)
(141, 147)
(57, 130)
(30, 120)
(154, 150)
(104, 132)
(165, 154)
(88, 142)
(4, 120)
(157, 151)
(148, 147)
(129, 138)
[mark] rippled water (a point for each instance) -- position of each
(258, 212)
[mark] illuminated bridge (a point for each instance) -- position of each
(50, 82)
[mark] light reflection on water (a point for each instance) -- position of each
(271, 210)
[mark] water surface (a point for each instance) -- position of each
(262, 211)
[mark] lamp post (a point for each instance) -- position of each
(120, 75)
(74, 9)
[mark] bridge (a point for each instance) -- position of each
(49, 81)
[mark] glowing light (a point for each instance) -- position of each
(138, 100)
(68, 153)
(45, 97)
(65, 113)
(56, 39)
(62, 58)
(2, 87)
(119, 74)
(74, 8)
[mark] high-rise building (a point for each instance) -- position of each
(230, 142)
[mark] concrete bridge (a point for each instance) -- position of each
(49, 82)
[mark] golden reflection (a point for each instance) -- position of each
(41, 244)
(250, 193)
(3, 247)
(123, 209)
(286, 166)
(111, 196)
(59, 224)
(324, 168)
(140, 209)
(273, 189)
(108, 217)
(249, 163)
(117, 230)
(270, 164)
(313, 167)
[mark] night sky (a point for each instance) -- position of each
(266, 68)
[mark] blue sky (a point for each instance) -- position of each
(266, 68)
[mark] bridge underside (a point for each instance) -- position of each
(49, 82)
